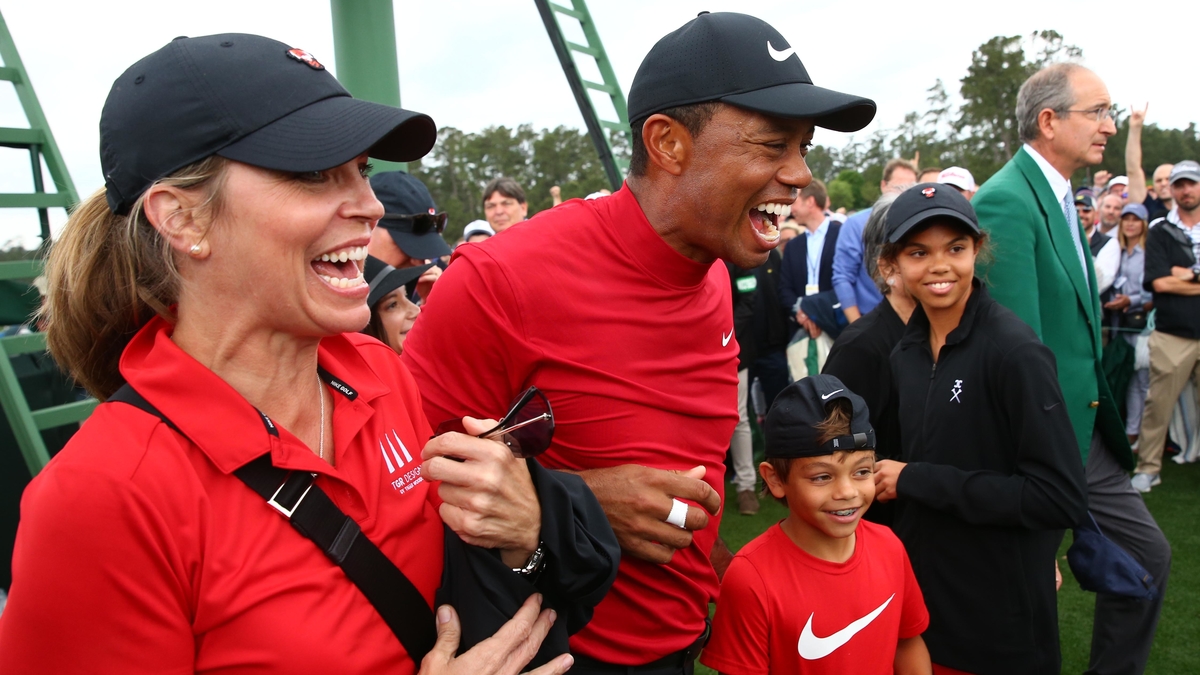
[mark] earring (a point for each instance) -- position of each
(194, 250)
(891, 281)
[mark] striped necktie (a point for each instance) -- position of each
(1072, 217)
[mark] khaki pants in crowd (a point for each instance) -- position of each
(1173, 361)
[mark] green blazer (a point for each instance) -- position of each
(1034, 271)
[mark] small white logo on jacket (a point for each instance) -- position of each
(396, 449)
(725, 338)
(955, 391)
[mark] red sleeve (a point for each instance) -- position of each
(468, 350)
(101, 586)
(914, 618)
(740, 630)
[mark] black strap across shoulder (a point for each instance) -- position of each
(306, 506)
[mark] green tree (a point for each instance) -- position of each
(461, 164)
(1159, 146)
(841, 194)
(821, 162)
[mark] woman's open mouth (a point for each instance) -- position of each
(341, 268)
(766, 218)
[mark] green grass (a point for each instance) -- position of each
(1176, 506)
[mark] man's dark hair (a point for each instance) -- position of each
(505, 186)
(892, 165)
(694, 117)
(816, 190)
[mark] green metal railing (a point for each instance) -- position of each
(26, 423)
(364, 46)
(37, 139)
(599, 130)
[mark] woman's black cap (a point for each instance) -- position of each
(247, 98)
(922, 202)
(382, 278)
(790, 429)
(741, 60)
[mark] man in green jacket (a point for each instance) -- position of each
(1042, 270)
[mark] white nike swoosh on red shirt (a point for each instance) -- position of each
(812, 647)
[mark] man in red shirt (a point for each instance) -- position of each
(628, 329)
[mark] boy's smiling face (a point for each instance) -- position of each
(827, 496)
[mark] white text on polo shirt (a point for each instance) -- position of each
(412, 477)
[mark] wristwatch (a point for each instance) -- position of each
(1196, 274)
(534, 564)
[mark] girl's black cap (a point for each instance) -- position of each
(741, 60)
(790, 429)
(922, 202)
(382, 278)
(247, 98)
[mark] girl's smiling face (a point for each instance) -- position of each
(936, 266)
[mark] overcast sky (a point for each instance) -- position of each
(476, 63)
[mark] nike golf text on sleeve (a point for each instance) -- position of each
(139, 552)
(632, 344)
(785, 611)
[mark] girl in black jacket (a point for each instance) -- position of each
(990, 475)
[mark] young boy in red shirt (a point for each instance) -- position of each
(820, 592)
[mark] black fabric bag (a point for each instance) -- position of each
(1134, 320)
(1101, 566)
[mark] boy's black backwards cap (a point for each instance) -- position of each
(921, 202)
(791, 430)
(247, 98)
(741, 60)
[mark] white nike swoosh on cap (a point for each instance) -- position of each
(779, 55)
(826, 396)
(725, 338)
(812, 647)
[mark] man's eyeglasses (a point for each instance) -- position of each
(422, 223)
(1097, 114)
(527, 428)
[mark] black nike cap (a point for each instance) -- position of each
(926, 201)
(740, 60)
(790, 429)
(247, 98)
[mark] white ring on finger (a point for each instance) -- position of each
(678, 515)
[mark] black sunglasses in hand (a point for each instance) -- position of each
(526, 429)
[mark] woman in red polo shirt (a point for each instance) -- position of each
(219, 274)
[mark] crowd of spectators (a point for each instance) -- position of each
(998, 359)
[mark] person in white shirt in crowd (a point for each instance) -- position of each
(1128, 307)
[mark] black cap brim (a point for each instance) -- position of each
(334, 131)
(395, 279)
(426, 246)
(827, 108)
(916, 219)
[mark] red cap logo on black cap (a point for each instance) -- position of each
(929, 192)
(305, 58)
